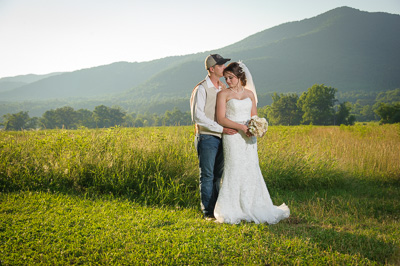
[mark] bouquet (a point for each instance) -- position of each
(257, 126)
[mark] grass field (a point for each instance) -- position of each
(130, 196)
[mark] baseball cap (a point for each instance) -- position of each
(215, 59)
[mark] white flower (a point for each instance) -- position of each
(257, 126)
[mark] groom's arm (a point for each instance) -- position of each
(199, 116)
(229, 131)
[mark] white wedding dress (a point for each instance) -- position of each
(243, 193)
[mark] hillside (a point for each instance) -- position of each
(86, 83)
(345, 48)
(10, 83)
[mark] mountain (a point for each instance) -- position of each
(345, 48)
(86, 83)
(10, 83)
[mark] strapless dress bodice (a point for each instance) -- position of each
(238, 110)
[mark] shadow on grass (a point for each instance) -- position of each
(332, 240)
(362, 200)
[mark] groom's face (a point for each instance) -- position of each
(218, 70)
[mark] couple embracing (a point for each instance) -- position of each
(232, 188)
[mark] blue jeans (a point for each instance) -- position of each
(211, 164)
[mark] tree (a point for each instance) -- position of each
(117, 117)
(157, 120)
(49, 119)
(389, 113)
(343, 115)
(101, 116)
(363, 112)
(263, 112)
(130, 120)
(176, 117)
(284, 110)
(107, 117)
(64, 117)
(19, 121)
(390, 96)
(138, 122)
(32, 123)
(84, 118)
(317, 104)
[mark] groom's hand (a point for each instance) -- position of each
(229, 131)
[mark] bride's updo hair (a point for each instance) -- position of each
(237, 71)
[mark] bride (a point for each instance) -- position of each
(243, 194)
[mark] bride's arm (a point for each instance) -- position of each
(221, 110)
(254, 106)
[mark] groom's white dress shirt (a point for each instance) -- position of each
(199, 115)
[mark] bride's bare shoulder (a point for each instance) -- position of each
(250, 94)
(223, 92)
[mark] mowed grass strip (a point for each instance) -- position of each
(52, 228)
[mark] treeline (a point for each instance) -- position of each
(101, 117)
(384, 107)
(317, 106)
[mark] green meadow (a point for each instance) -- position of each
(129, 196)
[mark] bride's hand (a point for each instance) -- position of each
(245, 129)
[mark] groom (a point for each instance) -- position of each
(208, 140)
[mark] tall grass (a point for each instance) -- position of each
(312, 157)
(154, 166)
(159, 165)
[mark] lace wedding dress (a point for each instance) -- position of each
(243, 193)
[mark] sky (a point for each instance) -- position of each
(45, 36)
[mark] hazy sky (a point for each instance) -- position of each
(44, 36)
